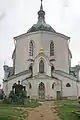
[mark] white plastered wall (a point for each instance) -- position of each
(68, 91)
(49, 92)
(8, 85)
(42, 40)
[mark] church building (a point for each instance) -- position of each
(42, 63)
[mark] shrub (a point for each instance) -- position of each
(17, 95)
(2, 95)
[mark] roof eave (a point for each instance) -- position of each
(62, 35)
(25, 34)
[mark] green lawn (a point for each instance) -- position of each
(16, 112)
(8, 112)
(66, 109)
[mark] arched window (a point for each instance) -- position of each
(52, 68)
(31, 48)
(41, 66)
(51, 48)
(68, 85)
(53, 85)
(30, 86)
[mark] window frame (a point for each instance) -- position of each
(30, 86)
(53, 85)
(31, 48)
(41, 66)
(51, 48)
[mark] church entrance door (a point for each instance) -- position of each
(41, 91)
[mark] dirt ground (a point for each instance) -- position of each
(47, 111)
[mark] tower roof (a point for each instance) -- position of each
(41, 24)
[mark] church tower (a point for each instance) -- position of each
(41, 43)
(41, 62)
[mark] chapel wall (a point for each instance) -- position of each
(68, 92)
(7, 86)
(50, 93)
(42, 40)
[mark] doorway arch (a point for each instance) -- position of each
(41, 90)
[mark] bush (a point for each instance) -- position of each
(2, 95)
(17, 95)
(6, 100)
(14, 99)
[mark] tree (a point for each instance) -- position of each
(18, 94)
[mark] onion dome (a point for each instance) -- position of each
(41, 24)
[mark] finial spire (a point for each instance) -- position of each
(41, 8)
(41, 14)
(41, 1)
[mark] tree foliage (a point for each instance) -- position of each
(1, 94)
(17, 95)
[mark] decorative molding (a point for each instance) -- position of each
(31, 60)
(52, 60)
(43, 56)
(41, 32)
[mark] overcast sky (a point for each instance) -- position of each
(17, 16)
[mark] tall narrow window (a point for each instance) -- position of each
(31, 69)
(51, 49)
(31, 48)
(52, 69)
(30, 86)
(41, 66)
(53, 85)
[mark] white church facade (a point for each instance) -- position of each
(42, 63)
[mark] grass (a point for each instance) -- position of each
(16, 112)
(8, 113)
(66, 109)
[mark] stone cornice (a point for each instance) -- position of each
(45, 32)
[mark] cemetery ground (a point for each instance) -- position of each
(49, 110)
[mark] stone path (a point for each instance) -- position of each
(46, 111)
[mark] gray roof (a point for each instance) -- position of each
(41, 24)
